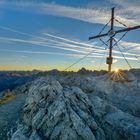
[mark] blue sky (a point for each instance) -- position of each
(50, 34)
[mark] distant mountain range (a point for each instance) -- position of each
(13, 79)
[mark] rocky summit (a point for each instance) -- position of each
(69, 109)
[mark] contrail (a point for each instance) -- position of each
(45, 39)
(41, 44)
(68, 40)
(60, 44)
(50, 53)
(63, 54)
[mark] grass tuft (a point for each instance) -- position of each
(9, 96)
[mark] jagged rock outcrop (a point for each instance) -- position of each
(84, 82)
(63, 111)
(53, 112)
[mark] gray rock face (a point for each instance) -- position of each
(117, 125)
(53, 112)
(125, 96)
(56, 112)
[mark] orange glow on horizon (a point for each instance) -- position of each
(47, 68)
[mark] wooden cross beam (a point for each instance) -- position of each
(111, 33)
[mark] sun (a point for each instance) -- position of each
(116, 70)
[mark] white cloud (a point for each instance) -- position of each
(128, 13)
(85, 14)
(115, 60)
(93, 61)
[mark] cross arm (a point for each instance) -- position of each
(127, 29)
(118, 31)
(101, 35)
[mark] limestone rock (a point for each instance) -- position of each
(80, 108)
(53, 112)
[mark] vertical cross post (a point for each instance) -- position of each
(111, 34)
